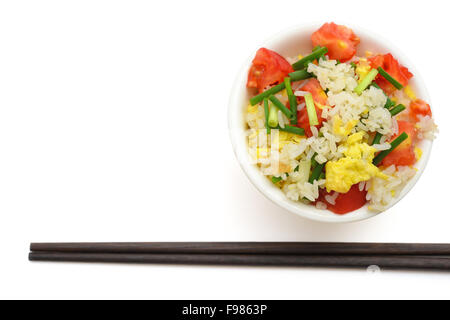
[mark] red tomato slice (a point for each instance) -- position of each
(346, 202)
(340, 41)
(268, 68)
(419, 107)
(319, 97)
(394, 68)
(404, 154)
(313, 86)
(303, 121)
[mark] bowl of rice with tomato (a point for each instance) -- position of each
(331, 123)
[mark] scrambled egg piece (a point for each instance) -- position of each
(410, 93)
(286, 137)
(283, 167)
(362, 69)
(252, 109)
(338, 129)
(262, 153)
(253, 135)
(355, 167)
(320, 106)
(418, 152)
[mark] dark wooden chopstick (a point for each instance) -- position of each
(312, 254)
(266, 248)
(390, 262)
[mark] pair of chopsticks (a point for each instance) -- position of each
(383, 255)
(309, 254)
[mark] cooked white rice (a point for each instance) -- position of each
(381, 192)
(427, 128)
(281, 153)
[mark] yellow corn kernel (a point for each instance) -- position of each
(369, 53)
(300, 57)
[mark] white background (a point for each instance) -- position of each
(113, 128)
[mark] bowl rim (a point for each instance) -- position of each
(239, 143)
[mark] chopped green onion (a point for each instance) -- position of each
(266, 113)
(295, 76)
(273, 117)
(260, 97)
(304, 170)
(354, 66)
(277, 103)
(389, 104)
(322, 176)
(377, 138)
(389, 78)
(287, 84)
(314, 163)
(294, 130)
(275, 180)
(292, 100)
(396, 110)
(317, 171)
(311, 109)
(297, 168)
(299, 75)
(293, 105)
(366, 81)
(394, 144)
(303, 63)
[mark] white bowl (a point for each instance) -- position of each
(290, 43)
